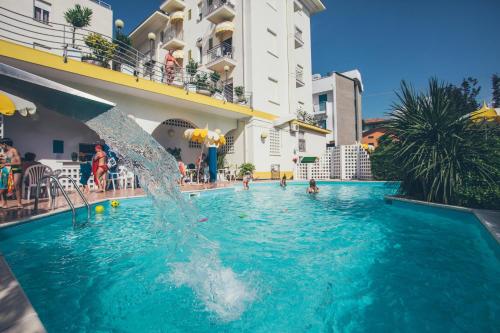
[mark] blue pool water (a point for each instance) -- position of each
(340, 261)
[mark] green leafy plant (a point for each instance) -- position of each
(221, 160)
(240, 93)
(192, 68)
(246, 167)
(437, 147)
(175, 152)
(102, 49)
(78, 17)
(214, 78)
(201, 81)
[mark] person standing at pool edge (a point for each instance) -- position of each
(312, 189)
(13, 159)
(100, 168)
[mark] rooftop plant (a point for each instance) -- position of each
(192, 68)
(102, 49)
(78, 17)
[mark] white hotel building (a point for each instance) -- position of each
(263, 46)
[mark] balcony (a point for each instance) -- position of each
(299, 77)
(219, 57)
(299, 41)
(170, 6)
(173, 39)
(219, 11)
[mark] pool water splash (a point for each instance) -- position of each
(158, 172)
(217, 286)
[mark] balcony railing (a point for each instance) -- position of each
(216, 4)
(223, 50)
(102, 3)
(172, 33)
(58, 39)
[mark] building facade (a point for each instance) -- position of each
(337, 100)
(373, 130)
(257, 45)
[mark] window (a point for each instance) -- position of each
(275, 142)
(190, 55)
(228, 148)
(273, 91)
(210, 43)
(58, 147)
(162, 36)
(302, 142)
(322, 124)
(42, 11)
(322, 102)
(209, 3)
(200, 11)
(195, 145)
(200, 54)
(189, 14)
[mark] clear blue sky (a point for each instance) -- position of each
(391, 40)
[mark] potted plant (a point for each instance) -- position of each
(240, 94)
(102, 50)
(215, 91)
(202, 84)
(246, 167)
(78, 17)
(191, 69)
(74, 156)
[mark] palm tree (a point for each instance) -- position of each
(437, 148)
(78, 17)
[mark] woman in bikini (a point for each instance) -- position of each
(170, 63)
(13, 160)
(100, 168)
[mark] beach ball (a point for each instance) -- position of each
(115, 203)
(99, 209)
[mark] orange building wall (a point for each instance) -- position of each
(371, 137)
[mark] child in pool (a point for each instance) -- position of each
(246, 181)
(283, 181)
(312, 189)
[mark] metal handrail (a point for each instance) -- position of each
(80, 193)
(223, 50)
(64, 193)
(58, 38)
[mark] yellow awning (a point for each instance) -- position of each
(223, 27)
(484, 114)
(178, 54)
(9, 104)
(177, 16)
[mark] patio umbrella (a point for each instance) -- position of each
(9, 104)
(211, 139)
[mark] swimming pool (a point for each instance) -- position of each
(342, 260)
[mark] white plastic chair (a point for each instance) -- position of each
(126, 178)
(31, 177)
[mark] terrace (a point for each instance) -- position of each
(108, 53)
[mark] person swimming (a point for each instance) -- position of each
(312, 189)
(283, 181)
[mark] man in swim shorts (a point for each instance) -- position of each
(13, 160)
(100, 168)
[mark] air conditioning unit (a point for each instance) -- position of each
(294, 127)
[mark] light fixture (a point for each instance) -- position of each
(226, 68)
(152, 36)
(119, 24)
(171, 133)
(264, 135)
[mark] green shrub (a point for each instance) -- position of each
(246, 167)
(102, 49)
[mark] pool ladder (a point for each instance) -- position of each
(54, 180)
